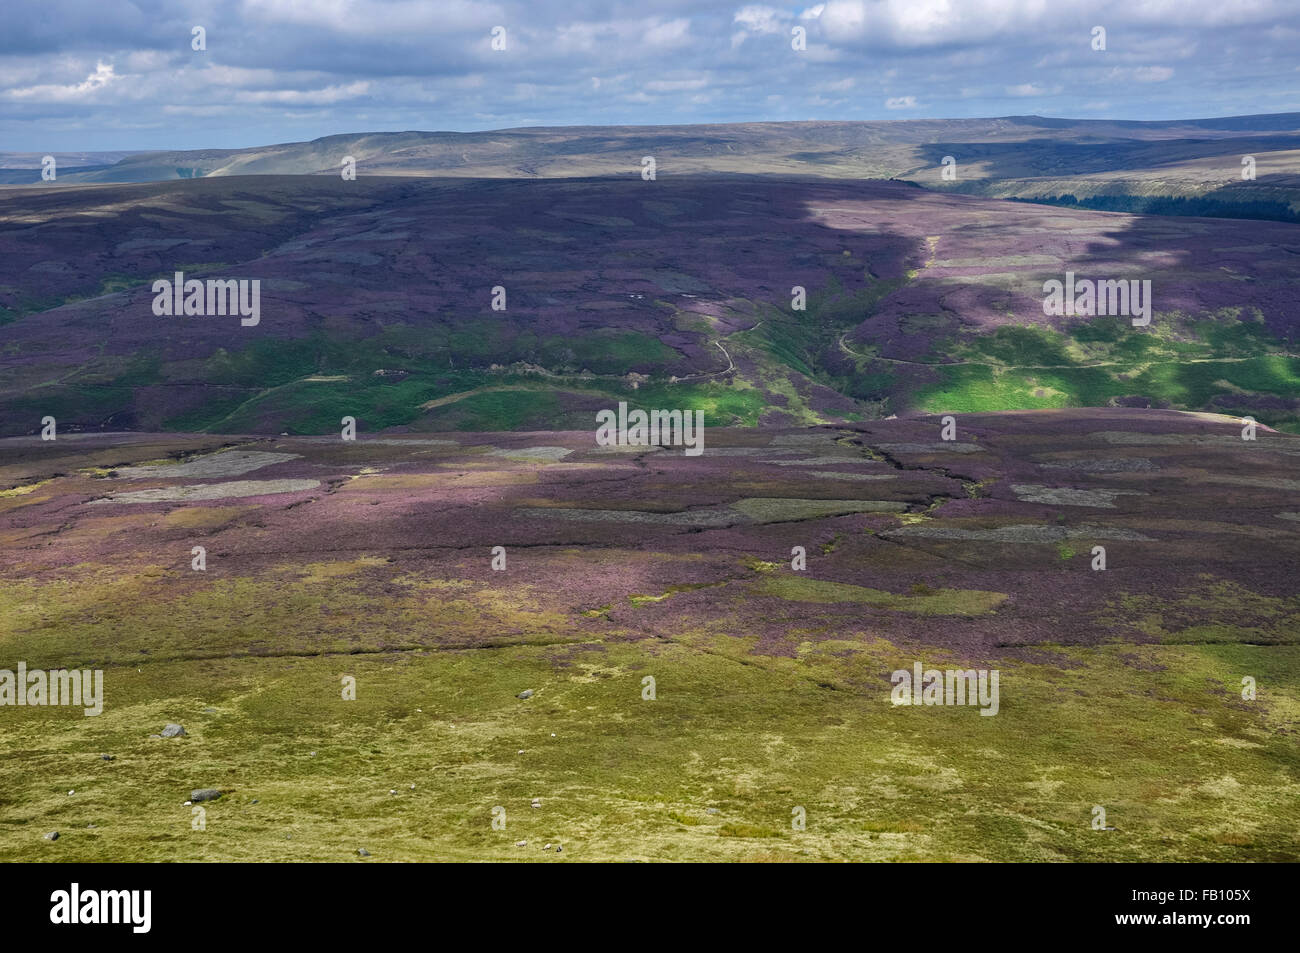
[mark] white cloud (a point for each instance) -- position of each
(102, 76)
(759, 19)
(1032, 89)
(1153, 74)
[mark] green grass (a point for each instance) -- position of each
(1218, 362)
(620, 777)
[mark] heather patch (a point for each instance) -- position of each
(1266, 483)
(929, 602)
(836, 460)
(1219, 611)
(832, 475)
(1023, 533)
(1263, 441)
(939, 446)
(1113, 465)
(773, 510)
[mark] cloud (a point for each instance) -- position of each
(101, 72)
(1032, 89)
(102, 76)
(757, 19)
(1153, 74)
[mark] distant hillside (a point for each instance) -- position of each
(376, 302)
(1102, 164)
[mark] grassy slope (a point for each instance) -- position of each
(624, 777)
(1156, 733)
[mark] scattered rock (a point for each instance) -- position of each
(559, 849)
(204, 794)
(106, 757)
(713, 810)
(173, 731)
(52, 835)
(537, 802)
(526, 693)
(521, 843)
(362, 852)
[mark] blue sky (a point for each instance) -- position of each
(122, 74)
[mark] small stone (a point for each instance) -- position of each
(186, 803)
(256, 801)
(209, 711)
(173, 731)
(392, 790)
(70, 793)
(526, 693)
(559, 849)
(313, 754)
(362, 852)
(91, 826)
(537, 802)
(52, 835)
(521, 751)
(106, 757)
(204, 794)
(412, 787)
(713, 810)
(547, 847)
(521, 843)
(552, 734)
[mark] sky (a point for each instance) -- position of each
(125, 74)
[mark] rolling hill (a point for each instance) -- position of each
(1115, 165)
(376, 302)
